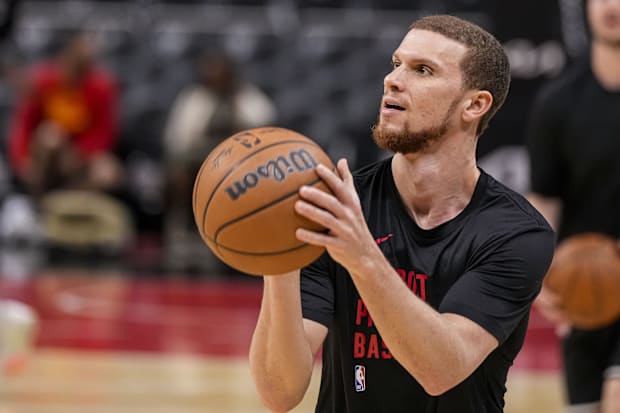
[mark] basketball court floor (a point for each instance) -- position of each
(110, 342)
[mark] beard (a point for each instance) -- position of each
(406, 141)
(611, 42)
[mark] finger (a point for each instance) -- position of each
(347, 178)
(329, 176)
(336, 184)
(323, 200)
(318, 215)
(317, 238)
(563, 329)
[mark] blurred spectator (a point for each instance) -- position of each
(574, 148)
(217, 105)
(64, 128)
(61, 149)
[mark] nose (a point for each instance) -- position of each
(392, 81)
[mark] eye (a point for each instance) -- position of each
(423, 70)
(395, 63)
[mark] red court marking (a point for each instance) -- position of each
(211, 317)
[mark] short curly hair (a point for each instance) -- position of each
(485, 65)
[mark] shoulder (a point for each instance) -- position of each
(561, 89)
(250, 90)
(507, 227)
(43, 73)
(503, 209)
(195, 92)
(102, 79)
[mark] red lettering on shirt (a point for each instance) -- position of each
(370, 345)
(361, 313)
(359, 345)
(366, 346)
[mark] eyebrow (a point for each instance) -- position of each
(417, 59)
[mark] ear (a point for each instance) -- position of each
(478, 103)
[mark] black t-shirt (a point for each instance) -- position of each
(486, 264)
(574, 146)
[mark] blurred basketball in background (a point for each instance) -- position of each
(585, 274)
(244, 196)
(18, 329)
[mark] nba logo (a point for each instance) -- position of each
(360, 378)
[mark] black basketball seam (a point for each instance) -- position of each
(261, 208)
(236, 165)
(196, 186)
(264, 254)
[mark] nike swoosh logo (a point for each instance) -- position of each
(383, 239)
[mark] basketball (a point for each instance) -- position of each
(585, 274)
(244, 196)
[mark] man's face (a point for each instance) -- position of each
(422, 93)
(604, 19)
(80, 54)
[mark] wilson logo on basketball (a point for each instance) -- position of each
(277, 169)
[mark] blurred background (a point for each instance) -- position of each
(109, 300)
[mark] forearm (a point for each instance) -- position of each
(422, 340)
(281, 358)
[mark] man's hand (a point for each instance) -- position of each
(348, 239)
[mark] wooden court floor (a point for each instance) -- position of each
(113, 343)
(73, 381)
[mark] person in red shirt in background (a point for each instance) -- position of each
(64, 128)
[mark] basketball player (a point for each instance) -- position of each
(574, 147)
(422, 301)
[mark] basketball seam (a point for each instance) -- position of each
(236, 165)
(194, 196)
(264, 254)
(261, 208)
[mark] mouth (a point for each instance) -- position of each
(391, 105)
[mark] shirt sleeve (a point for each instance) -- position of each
(497, 292)
(543, 144)
(317, 291)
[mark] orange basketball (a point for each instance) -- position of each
(585, 274)
(244, 196)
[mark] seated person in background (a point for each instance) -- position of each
(64, 128)
(61, 147)
(217, 105)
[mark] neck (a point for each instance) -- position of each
(606, 64)
(436, 185)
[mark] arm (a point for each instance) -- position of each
(284, 344)
(548, 175)
(25, 119)
(548, 303)
(439, 350)
(548, 169)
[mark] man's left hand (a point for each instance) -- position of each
(348, 239)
